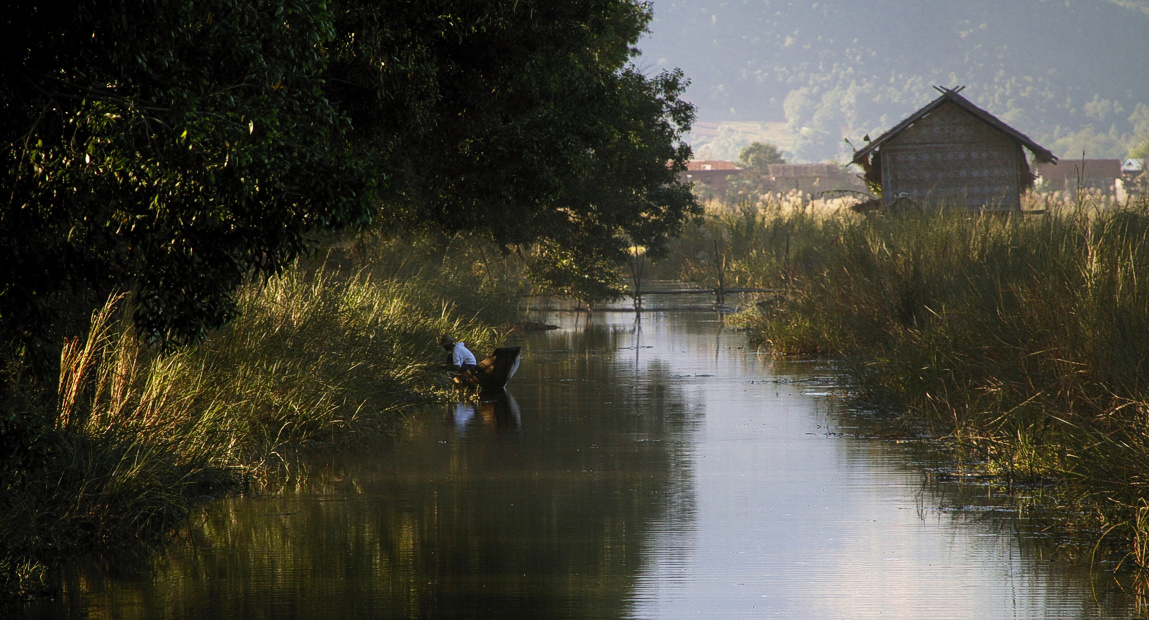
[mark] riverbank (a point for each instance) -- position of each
(332, 351)
(1022, 340)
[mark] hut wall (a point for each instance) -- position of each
(951, 157)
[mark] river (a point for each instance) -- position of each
(654, 469)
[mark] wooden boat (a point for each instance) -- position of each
(493, 371)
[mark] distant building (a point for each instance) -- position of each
(808, 178)
(952, 152)
(783, 178)
(1080, 173)
(1134, 180)
(713, 173)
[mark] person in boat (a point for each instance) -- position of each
(460, 357)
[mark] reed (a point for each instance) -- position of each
(334, 350)
(1023, 338)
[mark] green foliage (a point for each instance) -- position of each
(758, 156)
(172, 149)
(481, 282)
(178, 150)
(757, 245)
(526, 122)
(589, 280)
(1141, 151)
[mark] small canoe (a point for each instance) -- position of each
(493, 371)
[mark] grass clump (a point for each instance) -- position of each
(327, 352)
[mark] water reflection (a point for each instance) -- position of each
(500, 411)
(459, 520)
(649, 469)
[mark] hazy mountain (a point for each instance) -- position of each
(1071, 74)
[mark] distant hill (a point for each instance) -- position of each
(1071, 74)
(723, 141)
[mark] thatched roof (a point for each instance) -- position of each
(951, 95)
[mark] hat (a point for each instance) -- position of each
(446, 339)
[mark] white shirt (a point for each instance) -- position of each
(462, 355)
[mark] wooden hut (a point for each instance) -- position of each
(952, 153)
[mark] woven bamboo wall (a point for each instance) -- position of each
(952, 158)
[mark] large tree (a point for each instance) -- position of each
(175, 148)
(757, 157)
(523, 121)
(754, 180)
(172, 149)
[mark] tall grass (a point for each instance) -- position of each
(763, 244)
(333, 350)
(1024, 338)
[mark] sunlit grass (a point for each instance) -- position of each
(1025, 337)
(334, 350)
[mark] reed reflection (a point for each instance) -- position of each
(527, 506)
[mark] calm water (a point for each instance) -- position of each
(653, 471)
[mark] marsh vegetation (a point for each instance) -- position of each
(1021, 340)
(332, 351)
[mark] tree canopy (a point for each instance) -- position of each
(176, 149)
(1141, 151)
(756, 156)
(755, 160)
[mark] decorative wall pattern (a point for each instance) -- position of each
(951, 157)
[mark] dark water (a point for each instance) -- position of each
(654, 471)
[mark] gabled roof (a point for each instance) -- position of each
(951, 95)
